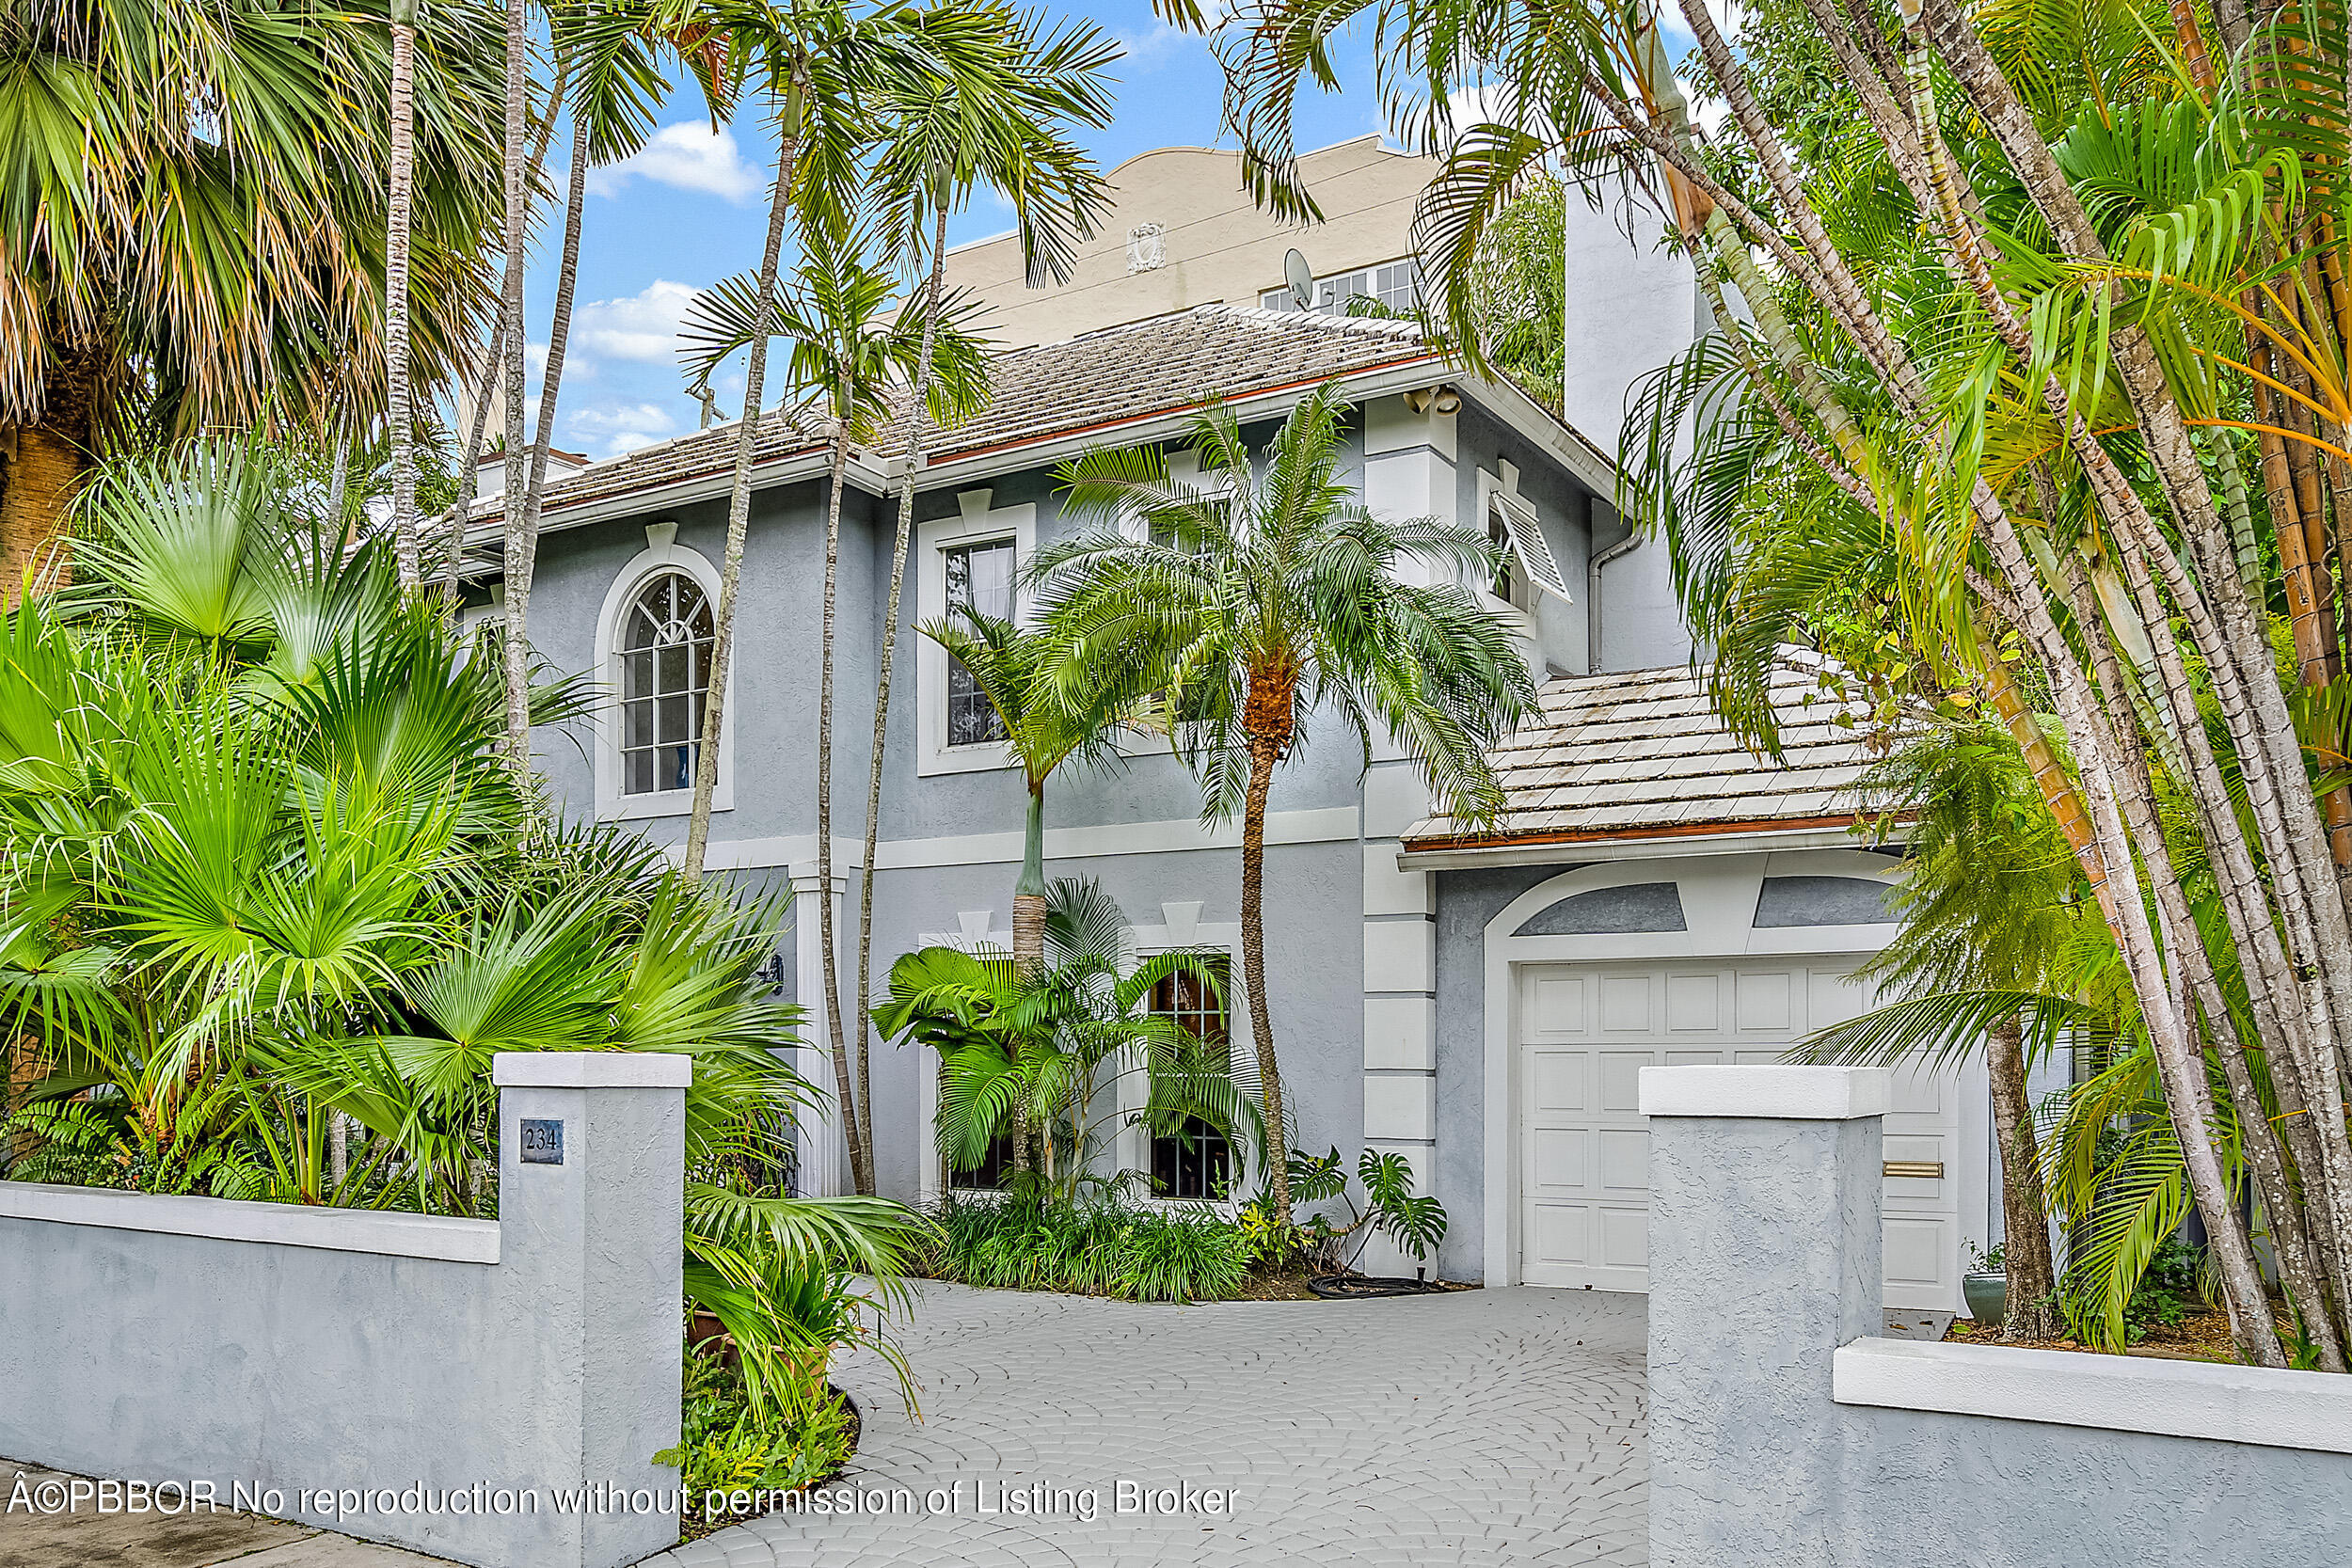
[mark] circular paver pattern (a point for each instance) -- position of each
(1479, 1427)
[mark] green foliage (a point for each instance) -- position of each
(1102, 1246)
(1054, 1040)
(727, 1442)
(1416, 1222)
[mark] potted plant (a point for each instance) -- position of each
(1985, 1286)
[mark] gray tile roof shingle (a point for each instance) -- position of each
(1642, 755)
(1165, 365)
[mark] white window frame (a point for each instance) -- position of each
(1506, 484)
(1182, 927)
(662, 553)
(977, 522)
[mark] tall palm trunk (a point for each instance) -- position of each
(41, 469)
(2032, 1276)
(1262, 760)
(399, 411)
(559, 338)
(910, 453)
(516, 568)
(1028, 943)
(740, 494)
(860, 1177)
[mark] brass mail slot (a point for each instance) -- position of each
(1921, 1170)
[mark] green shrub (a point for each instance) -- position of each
(1104, 1247)
(727, 1444)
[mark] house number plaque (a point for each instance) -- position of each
(543, 1142)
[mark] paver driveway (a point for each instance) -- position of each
(1487, 1427)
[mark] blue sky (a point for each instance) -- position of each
(691, 210)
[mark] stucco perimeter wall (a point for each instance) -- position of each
(196, 1339)
(1784, 1433)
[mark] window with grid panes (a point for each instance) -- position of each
(1195, 1160)
(978, 578)
(665, 650)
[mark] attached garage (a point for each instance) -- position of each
(1585, 1031)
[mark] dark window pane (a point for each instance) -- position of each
(637, 728)
(673, 711)
(639, 773)
(679, 768)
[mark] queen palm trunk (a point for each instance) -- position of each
(740, 494)
(559, 339)
(399, 413)
(516, 568)
(2032, 1278)
(40, 470)
(826, 936)
(910, 454)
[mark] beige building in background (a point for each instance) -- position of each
(1182, 231)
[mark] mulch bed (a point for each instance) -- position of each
(2199, 1337)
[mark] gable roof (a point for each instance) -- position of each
(1643, 755)
(1098, 382)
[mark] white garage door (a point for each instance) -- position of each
(1585, 1033)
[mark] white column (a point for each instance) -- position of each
(823, 1153)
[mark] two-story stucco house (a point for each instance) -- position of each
(1481, 1004)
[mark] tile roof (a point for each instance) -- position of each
(1643, 755)
(1161, 366)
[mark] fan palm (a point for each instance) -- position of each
(265, 866)
(192, 225)
(846, 358)
(1255, 599)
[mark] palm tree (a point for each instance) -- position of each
(113, 318)
(1012, 668)
(1256, 599)
(399, 418)
(1024, 1045)
(278, 871)
(1001, 115)
(845, 360)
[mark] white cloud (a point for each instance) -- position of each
(642, 327)
(612, 429)
(690, 155)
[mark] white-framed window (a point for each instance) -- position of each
(1395, 284)
(971, 558)
(665, 651)
(654, 642)
(978, 576)
(1199, 1164)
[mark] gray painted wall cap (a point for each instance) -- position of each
(1768, 1093)
(591, 1069)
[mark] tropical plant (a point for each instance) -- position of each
(846, 359)
(193, 221)
(264, 866)
(1994, 918)
(1416, 1222)
(2010, 285)
(1255, 599)
(1042, 1046)
(726, 1444)
(1099, 1245)
(1003, 120)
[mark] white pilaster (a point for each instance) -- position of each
(823, 1152)
(1400, 992)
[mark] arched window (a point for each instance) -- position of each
(664, 649)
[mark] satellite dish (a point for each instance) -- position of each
(1301, 277)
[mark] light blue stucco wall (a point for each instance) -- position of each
(1764, 1259)
(136, 1355)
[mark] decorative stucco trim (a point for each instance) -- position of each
(1768, 1093)
(2115, 1393)
(384, 1233)
(591, 1069)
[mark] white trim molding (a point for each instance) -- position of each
(1790, 1093)
(2222, 1403)
(662, 553)
(977, 521)
(383, 1232)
